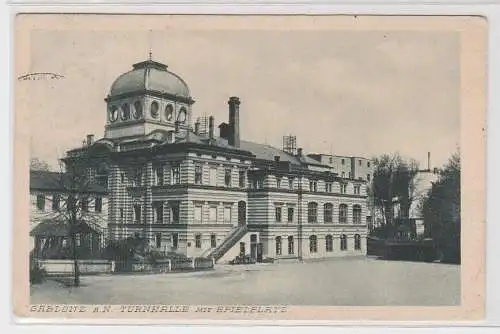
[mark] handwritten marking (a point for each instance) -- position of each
(40, 76)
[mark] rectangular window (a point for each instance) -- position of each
(121, 215)
(290, 183)
(175, 240)
(213, 177)
(290, 245)
(227, 177)
(122, 177)
(331, 160)
(197, 241)
(313, 186)
(241, 180)
(138, 178)
(40, 202)
(137, 214)
(84, 204)
(158, 240)
(290, 215)
(343, 188)
(158, 175)
(213, 241)
(328, 187)
(176, 173)
(368, 164)
(278, 245)
(227, 214)
(198, 216)
(56, 202)
(343, 162)
(212, 214)
(278, 182)
(357, 190)
(360, 162)
(174, 213)
(278, 213)
(158, 212)
(198, 174)
(98, 204)
(368, 177)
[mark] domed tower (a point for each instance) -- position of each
(147, 98)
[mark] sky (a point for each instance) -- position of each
(355, 93)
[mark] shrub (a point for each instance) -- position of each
(37, 273)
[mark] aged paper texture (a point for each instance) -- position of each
(196, 168)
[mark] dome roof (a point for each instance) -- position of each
(152, 76)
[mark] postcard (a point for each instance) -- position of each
(196, 168)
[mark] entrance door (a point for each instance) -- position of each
(242, 249)
(259, 252)
(242, 213)
(253, 246)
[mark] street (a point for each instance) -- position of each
(344, 281)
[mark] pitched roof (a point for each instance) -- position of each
(58, 182)
(58, 228)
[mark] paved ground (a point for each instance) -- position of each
(353, 282)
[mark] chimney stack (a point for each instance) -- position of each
(299, 151)
(211, 127)
(197, 127)
(177, 125)
(428, 161)
(90, 139)
(234, 121)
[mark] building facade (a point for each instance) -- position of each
(203, 194)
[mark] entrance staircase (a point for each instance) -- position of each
(231, 240)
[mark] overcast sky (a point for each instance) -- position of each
(351, 93)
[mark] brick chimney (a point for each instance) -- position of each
(234, 121)
(211, 127)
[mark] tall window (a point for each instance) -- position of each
(175, 240)
(213, 241)
(278, 182)
(227, 177)
(343, 188)
(330, 160)
(241, 179)
(227, 214)
(84, 204)
(313, 186)
(158, 175)
(213, 177)
(368, 164)
(328, 212)
(98, 204)
(137, 182)
(343, 242)
(278, 245)
(357, 242)
(290, 215)
(290, 183)
(56, 202)
(197, 241)
(174, 213)
(198, 217)
(356, 214)
(121, 215)
(312, 212)
(328, 187)
(137, 214)
(278, 213)
(329, 243)
(313, 244)
(343, 213)
(198, 174)
(158, 240)
(357, 189)
(213, 214)
(158, 212)
(343, 162)
(40, 202)
(176, 173)
(368, 177)
(290, 245)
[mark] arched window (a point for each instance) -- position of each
(312, 212)
(278, 245)
(169, 113)
(343, 214)
(154, 109)
(182, 115)
(137, 110)
(328, 212)
(357, 242)
(343, 242)
(313, 244)
(113, 114)
(125, 111)
(356, 214)
(290, 245)
(329, 243)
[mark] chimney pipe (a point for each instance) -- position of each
(211, 127)
(429, 161)
(234, 121)
(90, 139)
(177, 125)
(299, 151)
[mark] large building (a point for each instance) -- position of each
(203, 194)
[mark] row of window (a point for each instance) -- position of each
(312, 213)
(342, 161)
(84, 203)
(313, 244)
(126, 112)
(175, 240)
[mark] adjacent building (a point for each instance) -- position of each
(206, 194)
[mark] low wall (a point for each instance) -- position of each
(84, 266)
